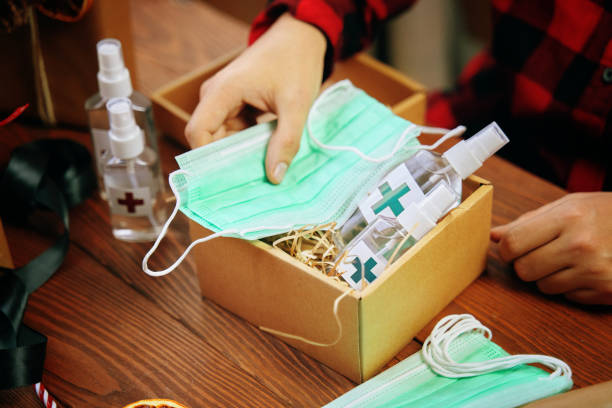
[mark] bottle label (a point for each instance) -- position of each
(101, 145)
(361, 264)
(133, 202)
(394, 193)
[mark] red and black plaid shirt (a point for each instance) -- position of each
(546, 78)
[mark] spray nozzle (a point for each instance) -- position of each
(127, 139)
(110, 58)
(468, 155)
(120, 113)
(438, 201)
(113, 77)
(488, 141)
(419, 218)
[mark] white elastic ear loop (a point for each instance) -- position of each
(162, 234)
(164, 230)
(435, 351)
(458, 131)
(312, 342)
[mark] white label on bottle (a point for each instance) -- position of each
(394, 193)
(101, 144)
(133, 202)
(361, 264)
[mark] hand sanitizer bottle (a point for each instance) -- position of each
(114, 82)
(386, 239)
(132, 178)
(420, 174)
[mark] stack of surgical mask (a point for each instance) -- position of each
(459, 366)
(407, 203)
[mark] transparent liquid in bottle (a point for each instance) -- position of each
(383, 237)
(381, 242)
(428, 169)
(97, 115)
(136, 193)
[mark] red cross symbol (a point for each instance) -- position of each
(129, 202)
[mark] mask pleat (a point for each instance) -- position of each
(244, 180)
(322, 204)
(311, 185)
(228, 190)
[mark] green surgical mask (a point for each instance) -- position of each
(459, 366)
(350, 142)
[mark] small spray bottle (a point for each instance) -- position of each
(426, 169)
(132, 178)
(114, 82)
(386, 239)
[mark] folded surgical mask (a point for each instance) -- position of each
(459, 366)
(350, 142)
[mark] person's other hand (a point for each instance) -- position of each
(564, 246)
(280, 73)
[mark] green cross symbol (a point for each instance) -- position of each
(390, 198)
(368, 275)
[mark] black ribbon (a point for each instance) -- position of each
(49, 174)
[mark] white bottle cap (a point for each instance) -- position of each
(113, 77)
(468, 155)
(126, 138)
(437, 202)
(419, 218)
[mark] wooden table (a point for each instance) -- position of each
(116, 335)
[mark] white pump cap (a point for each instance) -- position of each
(468, 155)
(419, 218)
(113, 77)
(126, 138)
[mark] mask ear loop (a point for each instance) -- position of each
(435, 351)
(311, 342)
(458, 131)
(164, 230)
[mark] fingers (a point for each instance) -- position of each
(285, 141)
(522, 236)
(543, 261)
(581, 283)
(499, 231)
(590, 297)
(561, 282)
(215, 106)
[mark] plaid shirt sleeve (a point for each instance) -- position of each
(348, 25)
(546, 78)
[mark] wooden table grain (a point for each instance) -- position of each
(117, 335)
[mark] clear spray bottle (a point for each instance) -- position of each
(386, 239)
(132, 178)
(426, 169)
(114, 82)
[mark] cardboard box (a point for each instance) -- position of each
(174, 102)
(70, 62)
(269, 288)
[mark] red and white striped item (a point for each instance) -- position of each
(44, 396)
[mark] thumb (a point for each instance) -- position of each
(284, 142)
(498, 232)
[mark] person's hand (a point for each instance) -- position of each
(564, 246)
(280, 73)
